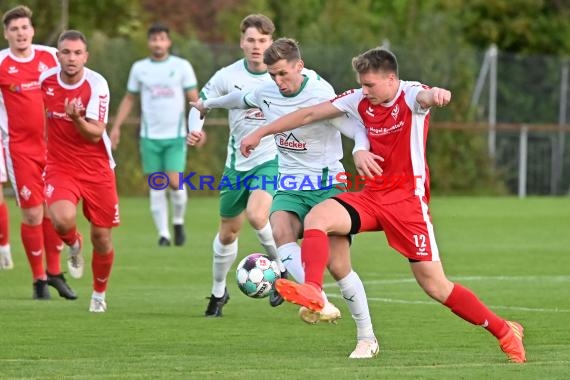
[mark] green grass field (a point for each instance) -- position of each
(515, 254)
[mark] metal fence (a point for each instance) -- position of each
(531, 94)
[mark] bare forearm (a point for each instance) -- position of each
(288, 122)
(435, 96)
(91, 130)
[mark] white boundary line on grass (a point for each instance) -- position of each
(467, 278)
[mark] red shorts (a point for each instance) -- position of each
(100, 199)
(406, 223)
(26, 175)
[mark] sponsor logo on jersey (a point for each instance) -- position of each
(386, 131)
(13, 70)
(289, 143)
(161, 92)
(50, 92)
(370, 111)
(254, 114)
(29, 86)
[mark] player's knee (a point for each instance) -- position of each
(101, 241)
(316, 219)
(282, 234)
(226, 237)
(63, 223)
(32, 216)
(257, 218)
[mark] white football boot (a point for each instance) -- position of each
(97, 305)
(365, 349)
(329, 313)
(75, 260)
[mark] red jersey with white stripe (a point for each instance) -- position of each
(397, 132)
(22, 116)
(67, 149)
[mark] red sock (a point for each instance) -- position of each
(464, 303)
(70, 237)
(4, 224)
(53, 246)
(33, 241)
(315, 256)
(101, 267)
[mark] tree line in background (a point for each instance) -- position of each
(438, 42)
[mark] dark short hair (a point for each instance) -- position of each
(21, 11)
(377, 59)
(73, 35)
(262, 23)
(157, 28)
(282, 48)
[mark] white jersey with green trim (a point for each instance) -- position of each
(237, 77)
(309, 154)
(162, 86)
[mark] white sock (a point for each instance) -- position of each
(179, 199)
(265, 236)
(224, 257)
(98, 295)
(290, 255)
(5, 249)
(352, 291)
(159, 211)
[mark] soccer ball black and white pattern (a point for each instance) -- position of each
(256, 274)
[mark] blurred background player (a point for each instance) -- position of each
(396, 114)
(165, 83)
(314, 161)
(79, 161)
(22, 119)
(6, 261)
(239, 204)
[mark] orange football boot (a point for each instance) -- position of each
(301, 294)
(512, 343)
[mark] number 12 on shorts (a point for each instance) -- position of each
(420, 242)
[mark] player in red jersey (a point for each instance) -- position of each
(79, 161)
(396, 115)
(22, 121)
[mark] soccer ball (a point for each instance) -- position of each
(256, 274)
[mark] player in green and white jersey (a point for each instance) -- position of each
(164, 83)
(310, 157)
(242, 202)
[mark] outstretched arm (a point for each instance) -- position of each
(233, 100)
(303, 116)
(435, 96)
(366, 162)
